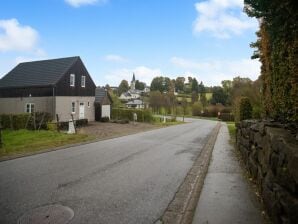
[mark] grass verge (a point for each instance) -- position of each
(25, 141)
(232, 131)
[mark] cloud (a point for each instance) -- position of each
(17, 37)
(222, 18)
(212, 72)
(142, 73)
(78, 3)
(115, 58)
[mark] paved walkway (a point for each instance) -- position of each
(226, 197)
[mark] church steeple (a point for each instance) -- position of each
(133, 82)
(133, 77)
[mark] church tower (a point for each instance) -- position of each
(133, 82)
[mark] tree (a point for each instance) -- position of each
(123, 87)
(161, 84)
(197, 109)
(140, 85)
(116, 102)
(218, 96)
(194, 85)
(201, 88)
(203, 99)
(244, 109)
(277, 48)
(194, 97)
(179, 84)
(155, 100)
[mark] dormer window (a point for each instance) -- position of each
(83, 81)
(72, 79)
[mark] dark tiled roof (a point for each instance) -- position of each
(101, 94)
(37, 73)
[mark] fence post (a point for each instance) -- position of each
(58, 125)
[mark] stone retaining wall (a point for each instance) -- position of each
(270, 153)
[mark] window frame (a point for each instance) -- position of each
(31, 108)
(83, 76)
(72, 80)
(73, 107)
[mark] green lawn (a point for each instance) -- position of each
(24, 141)
(232, 130)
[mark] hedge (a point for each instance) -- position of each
(243, 109)
(226, 117)
(78, 123)
(127, 114)
(37, 120)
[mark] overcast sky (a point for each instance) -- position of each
(207, 39)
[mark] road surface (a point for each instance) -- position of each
(130, 179)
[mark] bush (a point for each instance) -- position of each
(78, 123)
(81, 122)
(256, 112)
(197, 109)
(25, 120)
(243, 109)
(52, 126)
(212, 110)
(226, 117)
(104, 119)
(127, 114)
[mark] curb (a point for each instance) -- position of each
(182, 208)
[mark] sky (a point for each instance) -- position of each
(206, 39)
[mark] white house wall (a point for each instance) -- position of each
(64, 107)
(17, 105)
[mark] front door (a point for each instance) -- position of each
(82, 111)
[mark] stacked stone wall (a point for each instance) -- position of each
(270, 153)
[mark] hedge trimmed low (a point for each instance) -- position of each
(37, 120)
(127, 114)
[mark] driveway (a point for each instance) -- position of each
(129, 179)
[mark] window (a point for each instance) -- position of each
(72, 79)
(83, 81)
(88, 104)
(73, 107)
(30, 108)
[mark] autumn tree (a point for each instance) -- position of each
(277, 50)
(123, 87)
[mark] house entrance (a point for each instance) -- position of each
(82, 111)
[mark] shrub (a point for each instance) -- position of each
(226, 117)
(52, 126)
(104, 119)
(243, 109)
(197, 109)
(127, 114)
(25, 120)
(212, 110)
(81, 122)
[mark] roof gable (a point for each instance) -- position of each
(102, 96)
(37, 73)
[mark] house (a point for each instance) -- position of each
(58, 86)
(103, 102)
(136, 104)
(132, 93)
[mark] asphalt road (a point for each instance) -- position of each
(130, 179)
